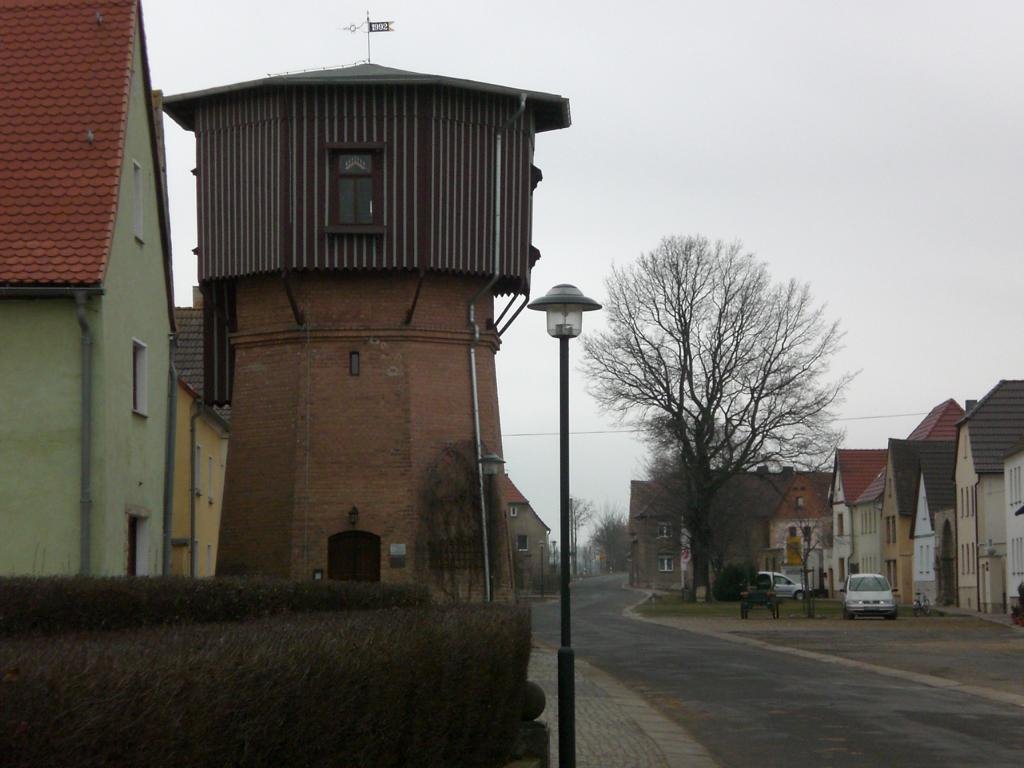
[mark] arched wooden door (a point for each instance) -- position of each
(353, 556)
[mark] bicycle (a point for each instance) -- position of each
(922, 606)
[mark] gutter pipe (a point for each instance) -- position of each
(197, 410)
(172, 424)
(488, 596)
(85, 472)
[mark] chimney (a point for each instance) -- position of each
(763, 469)
(969, 405)
(787, 471)
(197, 297)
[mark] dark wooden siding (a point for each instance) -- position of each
(263, 181)
(219, 322)
(239, 178)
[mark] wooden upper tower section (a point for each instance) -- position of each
(366, 168)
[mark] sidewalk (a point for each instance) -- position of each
(615, 728)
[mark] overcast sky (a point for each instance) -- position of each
(871, 149)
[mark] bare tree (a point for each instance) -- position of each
(813, 535)
(581, 512)
(611, 538)
(724, 368)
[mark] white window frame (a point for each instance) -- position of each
(140, 378)
(137, 206)
(520, 537)
(668, 560)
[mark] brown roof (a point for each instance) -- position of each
(188, 353)
(933, 458)
(65, 73)
(188, 356)
(997, 423)
(940, 423)
(512, 494)
(858, 467)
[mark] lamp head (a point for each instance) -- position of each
(491, 463)
(564, 305)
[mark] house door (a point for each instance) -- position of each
(353, 556)
(947, 566)
(133, 546)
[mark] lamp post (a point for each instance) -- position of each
(490, 465)
(565, 305)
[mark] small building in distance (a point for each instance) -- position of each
(201, 455)
(531, 545)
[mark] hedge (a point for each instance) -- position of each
(400, 687)
(68, 604)
(732, 580)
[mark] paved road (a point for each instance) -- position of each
(753, 707)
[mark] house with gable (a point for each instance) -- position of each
(852, 472)
(899, 502)
(85, 295)
(531, 548)
(932, 531)
(1013, 484)
(201, 453)
(866, 520)
(656, 541)
(800, 527)
(989, 430)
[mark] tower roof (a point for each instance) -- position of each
(550, 110)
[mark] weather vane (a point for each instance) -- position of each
(371, 26)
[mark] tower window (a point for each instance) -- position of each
(355, 188)
(353, 363)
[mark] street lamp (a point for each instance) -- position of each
(490, 466)
(565, 305)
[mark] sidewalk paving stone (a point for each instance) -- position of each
(615, 727)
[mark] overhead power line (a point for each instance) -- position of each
(635, 430)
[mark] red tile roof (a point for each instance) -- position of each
(874, 489)
(858, 467)
(940, 423)
(65, 72)
(512, 494)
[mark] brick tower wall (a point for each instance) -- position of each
(310, 440)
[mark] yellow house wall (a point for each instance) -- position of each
(212, 456)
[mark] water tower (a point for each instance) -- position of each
(355, 227)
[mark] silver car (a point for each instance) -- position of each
(783, 586)
(868, 594)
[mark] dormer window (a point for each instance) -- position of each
(355, 189)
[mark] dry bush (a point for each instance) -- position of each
(67, 604)
(400, 687)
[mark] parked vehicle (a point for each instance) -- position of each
(783, 586)
(868, 594)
